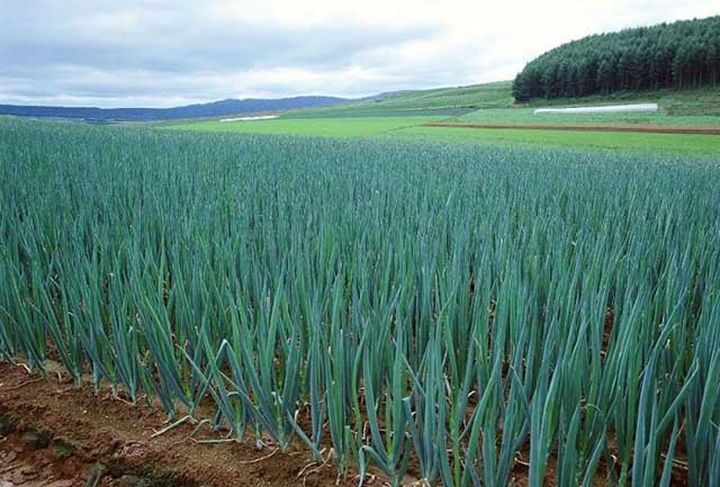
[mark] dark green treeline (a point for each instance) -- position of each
(684, 54)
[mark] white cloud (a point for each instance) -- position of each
(164, 52)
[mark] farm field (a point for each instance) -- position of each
(327, 127)
(622, 142)
(405, 115)
(525, 116)
(418, 129)
(463, 99)
(286, 309)
(289, 244)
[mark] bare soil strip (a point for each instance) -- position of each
(53, 433)
(647, 129)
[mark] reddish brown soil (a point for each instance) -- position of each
(55, 434)
(697, 130)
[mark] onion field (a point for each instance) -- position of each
(422, 312)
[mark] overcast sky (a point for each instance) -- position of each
(172, 52)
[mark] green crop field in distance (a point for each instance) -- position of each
(413, 129)
(525, 116)
(404, 114)
(679, 144)
(329, 127)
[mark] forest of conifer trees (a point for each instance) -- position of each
(684, 54)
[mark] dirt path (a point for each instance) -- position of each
(54, 434)
(647, 129)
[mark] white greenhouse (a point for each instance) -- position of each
(636, 107)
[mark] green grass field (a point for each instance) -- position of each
(403, 115)
(525, 116)
(440, 101)
(673, 144)
(412, 129)
(328, 127)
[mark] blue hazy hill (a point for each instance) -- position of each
(214, 109)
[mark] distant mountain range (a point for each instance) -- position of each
(215, 109)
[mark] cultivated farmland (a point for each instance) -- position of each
(404, 312)
(686, 124)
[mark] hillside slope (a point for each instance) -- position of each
(494, 100)
(451, 101)
(680, 108)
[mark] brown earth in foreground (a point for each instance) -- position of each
(657, 129)
(55, 434)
